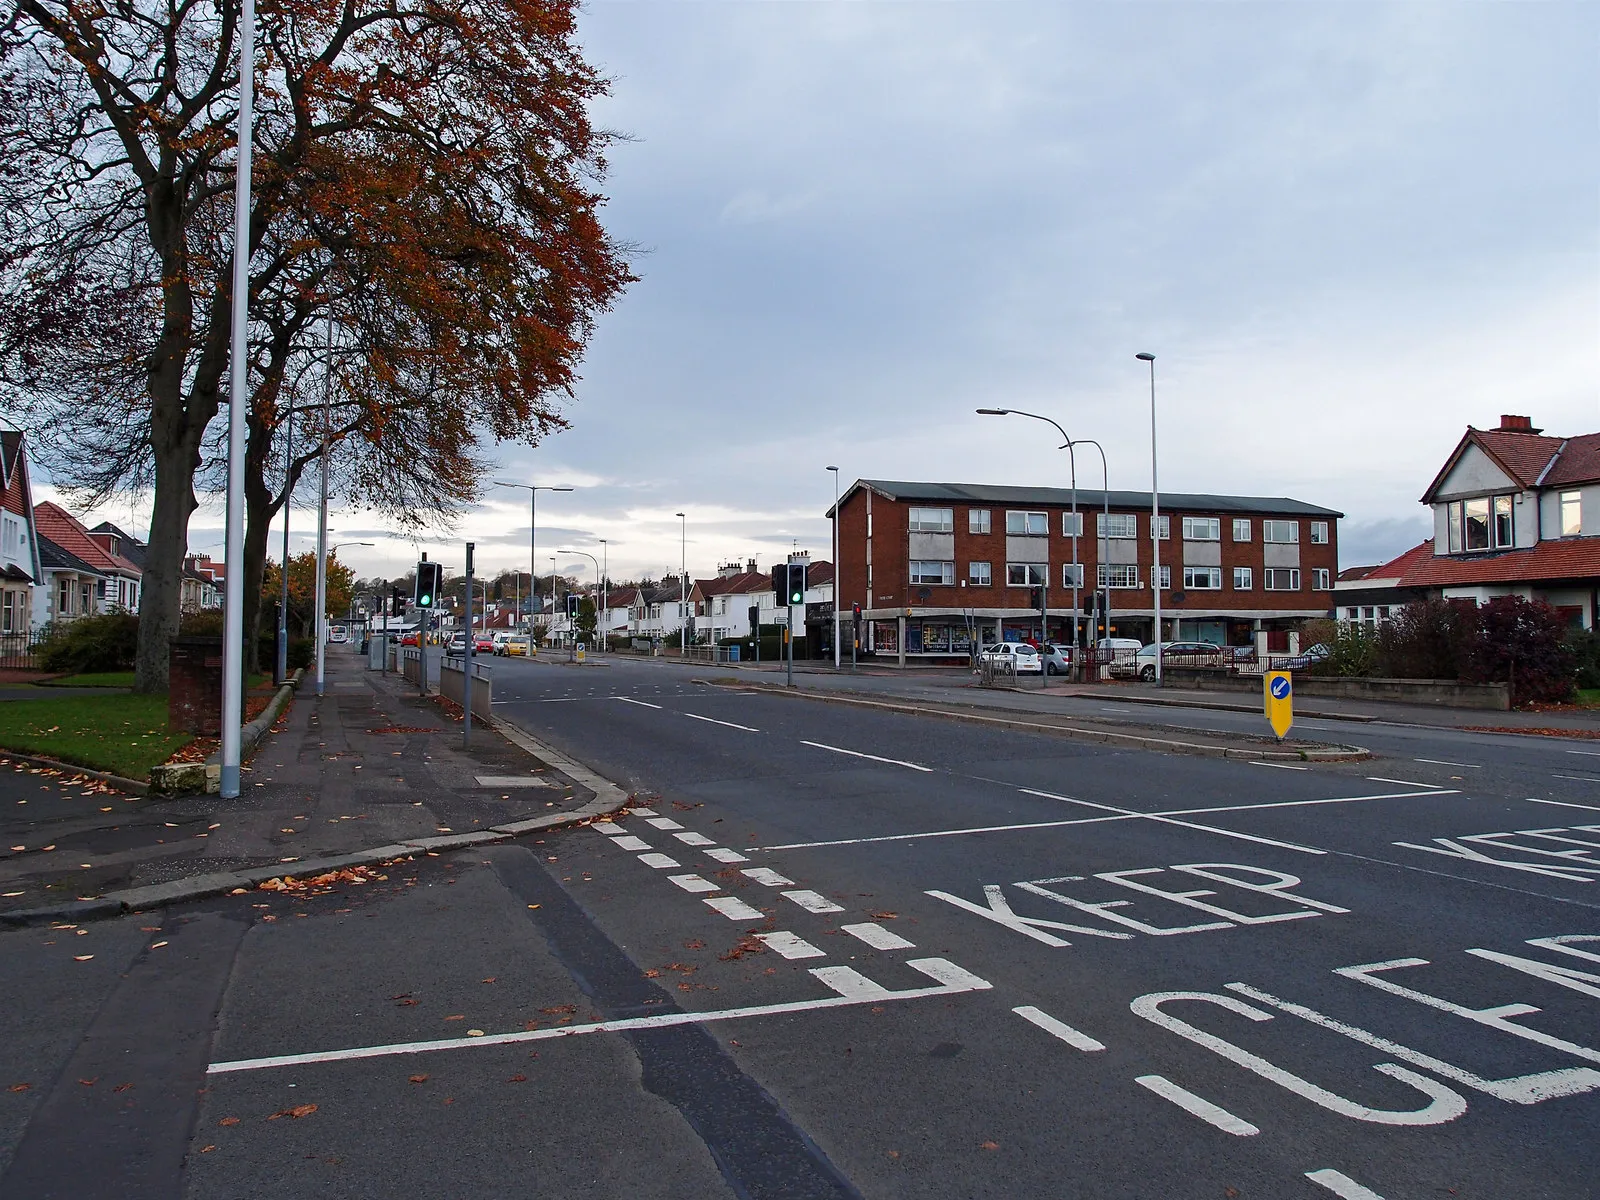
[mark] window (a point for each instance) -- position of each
(1453, 515)
(1571, 514)
(1166, 578)
(1025, 574)
(977, 520)
(1504, 535)
(1319, 580)
(1072, 575)
(1241, 529)
(64, 601)
(1282, 579)
(933, 520)
(1244, 579)
(12, 536)
(8, 611)
(1202, 529)
(1280, 531)
(1319, 533)
(928, 571)
(1475, 523)
(1067, 524)
(1120, 525)
(1027, 524)
(1166, 528)
(1118, 575)
(1202, 579)
(978, 574)
(1485, 523)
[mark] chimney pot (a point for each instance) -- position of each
(1511, 423)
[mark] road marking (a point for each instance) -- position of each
(1341, 1185)
(893, 762)
(1233, 833)
(958, 981)
(1579, 778)
(878, 937)
(1072, 1037)
(767, 876)
(694, 839)
(631, 843)
(1563, 804)
(557, 700)
(512, 781)
(1280, 766)
(693, 883)
(640, 703)
(1402, 782)
(609, 828)
(714, 721)
(1208, 1112)
(725, 856)
(1586, 753)
(642, 812)
(1440, 762)
(659, 860)
(851, 983)
(734, 908)
(790, 946)
(662, 823)
(811, 901)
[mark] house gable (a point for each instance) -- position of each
(1473, 473)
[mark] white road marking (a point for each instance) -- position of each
(659, 861)
(1402, 782)
(714, 721)
(869, 993)
(893, 762)
(767, 876)
(1233, 833)
(642, 812)
(734, 908)
(631, 843)
(1579, 778)
(1563, 804)
(1440, 762)
(790, 946)
(1280, 766)
(663, 823)
(878, 937)
(609, 828)
(512, 781)
(947, 973)
(1075, 1038)
(1341, 1185)
(811, 901)
(725, 856)
(1586, 753)
(640, 703)
(693, 883)
(694, 839)
(557, 700)
(1208, 1112)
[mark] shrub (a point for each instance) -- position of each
(1585, 647)
(1522, 643)
(107, 642)
(1428, 639)
(1353, 651)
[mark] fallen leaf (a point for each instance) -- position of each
(19, 1087)
(419, 1079)
(122, 1087)
(228, 1121)
(298, 1111)
(894, 1153)
(884, 916)
(208, 1149)
(474, 1033)
(157, 945)
(488, 980)
(991, 1145)
(457, 1017)
(149, 929)
(82, 957)
(89, 1082)
(397, 1003)
(518, 1079)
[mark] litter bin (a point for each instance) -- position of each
(733, 653)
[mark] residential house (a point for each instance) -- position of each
(124, 594)
(722, 604)
(119, 586)
(68, 588)
(20, 569)
(660, 613)
(200, 586)
(621, 603)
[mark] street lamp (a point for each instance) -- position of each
(836, 592)
(281, 674)
(1155, 512)
(683, 594)
(533, 490)
(596, 563)
(605, 590)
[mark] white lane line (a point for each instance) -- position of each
(609, 828)
(1341, 1185)
(643, 812)
(767, 876)
(851, 983)
(640, 703)
(893, 762)
(662, 823)
(714, 721)
(725, 856)
(1440, 762)
(1401, 782)
(557, 700)
(1208, 1112)
(734, 908)
(693, 883)
(1579, 778)
(1233, 833)
(631, 843)
(1218, 808)
(658, 861)
(1586, 753)
(1075, 1038)
(962, 981)
(790, 946)
(811, 901)
(1280, 766)
(1563, 804)
(878, 937)
(694, 839)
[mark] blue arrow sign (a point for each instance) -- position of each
(1280, 688)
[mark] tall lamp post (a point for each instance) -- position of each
(596, 563)
(533, 490)
(836, 592)
(1155, 512)
(683, 578)
(281, 674)
(605, 592)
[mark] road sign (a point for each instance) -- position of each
(1279, 690)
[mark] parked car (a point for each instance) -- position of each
(1057, 659)
(409, 639)
(482, 643)
(1024, 659)
(338, 634)
(516, 645)
(1299, 662)
(457, 643)
(1188, 654)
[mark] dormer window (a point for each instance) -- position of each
(1571, 514)
(1483, 523)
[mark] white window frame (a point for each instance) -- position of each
(1066, 523)
(1212, 579)
(980, 574)
(1241, 529)
(1202, 529)
(978, 520)
(1273, 531)
(1574, 502)
(1123, 526)
(1320, 580)
(946, 571)
(1166, 527)
(1271, 573)
(1319, 533)
(1026, 574)
(943, 520)
(1117, 576)
(1067, 571)
(1166, 577)
(1244, 579)
(1021, 522)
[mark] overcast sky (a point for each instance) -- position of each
(1346, 231)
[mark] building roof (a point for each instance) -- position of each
(54, 558)
(1569, 558)
(65, 530)
(1351, 574)
(742, 584)
(625, 597)
(1528, 457)
(1088, 501)
(131, 548)
(1578, 462)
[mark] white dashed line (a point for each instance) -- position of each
(631, 843)
(640, 703)
(1341, 1185)
(725, 856)
(1401, 782)
(1579, 778)
(877, 937)
(1072, 1037)
(714, 721)
(734, 908)
(1280, 766)
(811, 901)
(693, 883)
(663, 823)
(658, 861)
(1439, 762)
(790, 946)
(1563, 804)
(1208, 1112)
(767, 876)
(694, 839)
(893, 762)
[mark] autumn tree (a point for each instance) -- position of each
(301, 620)
(426, 255)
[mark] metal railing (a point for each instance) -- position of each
(20, 651)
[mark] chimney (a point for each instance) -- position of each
(750, 568)
(1510, 423)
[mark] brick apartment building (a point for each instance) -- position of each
(936, 565)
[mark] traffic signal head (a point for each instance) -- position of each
(797, 583)
(780, 582)
(429, 577)
(855, 611)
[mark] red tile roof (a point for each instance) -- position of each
(1579, 462)
(1569, 558)
(66, 531)
(1525, 456)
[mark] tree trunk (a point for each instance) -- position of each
(160, 591)
(259, 508)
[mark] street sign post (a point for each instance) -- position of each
(1278, 690)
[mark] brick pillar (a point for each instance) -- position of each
(194, 698)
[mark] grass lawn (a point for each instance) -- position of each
(1589, 697)
(123, 734)
(105, 679)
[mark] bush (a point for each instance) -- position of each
(1353, 651)
(1522, 643)
(300, 652)
(1428, 639)
(104, 643)
(1585, 647)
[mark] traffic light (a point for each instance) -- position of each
(397, 599)
(754, 616)
(855, 611)
(573, 601)
(780, 582)
(1036, 598)
(430, 578)
(797, 583)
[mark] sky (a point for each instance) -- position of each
(1345, 230)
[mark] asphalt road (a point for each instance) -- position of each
(838, 952)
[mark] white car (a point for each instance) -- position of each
(1023, 658)
(1179, 654)
(338, 634)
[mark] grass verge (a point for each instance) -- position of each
(96, 679)
(123, 734)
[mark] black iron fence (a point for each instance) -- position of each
(19, 651)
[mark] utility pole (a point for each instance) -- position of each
(466, 673)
